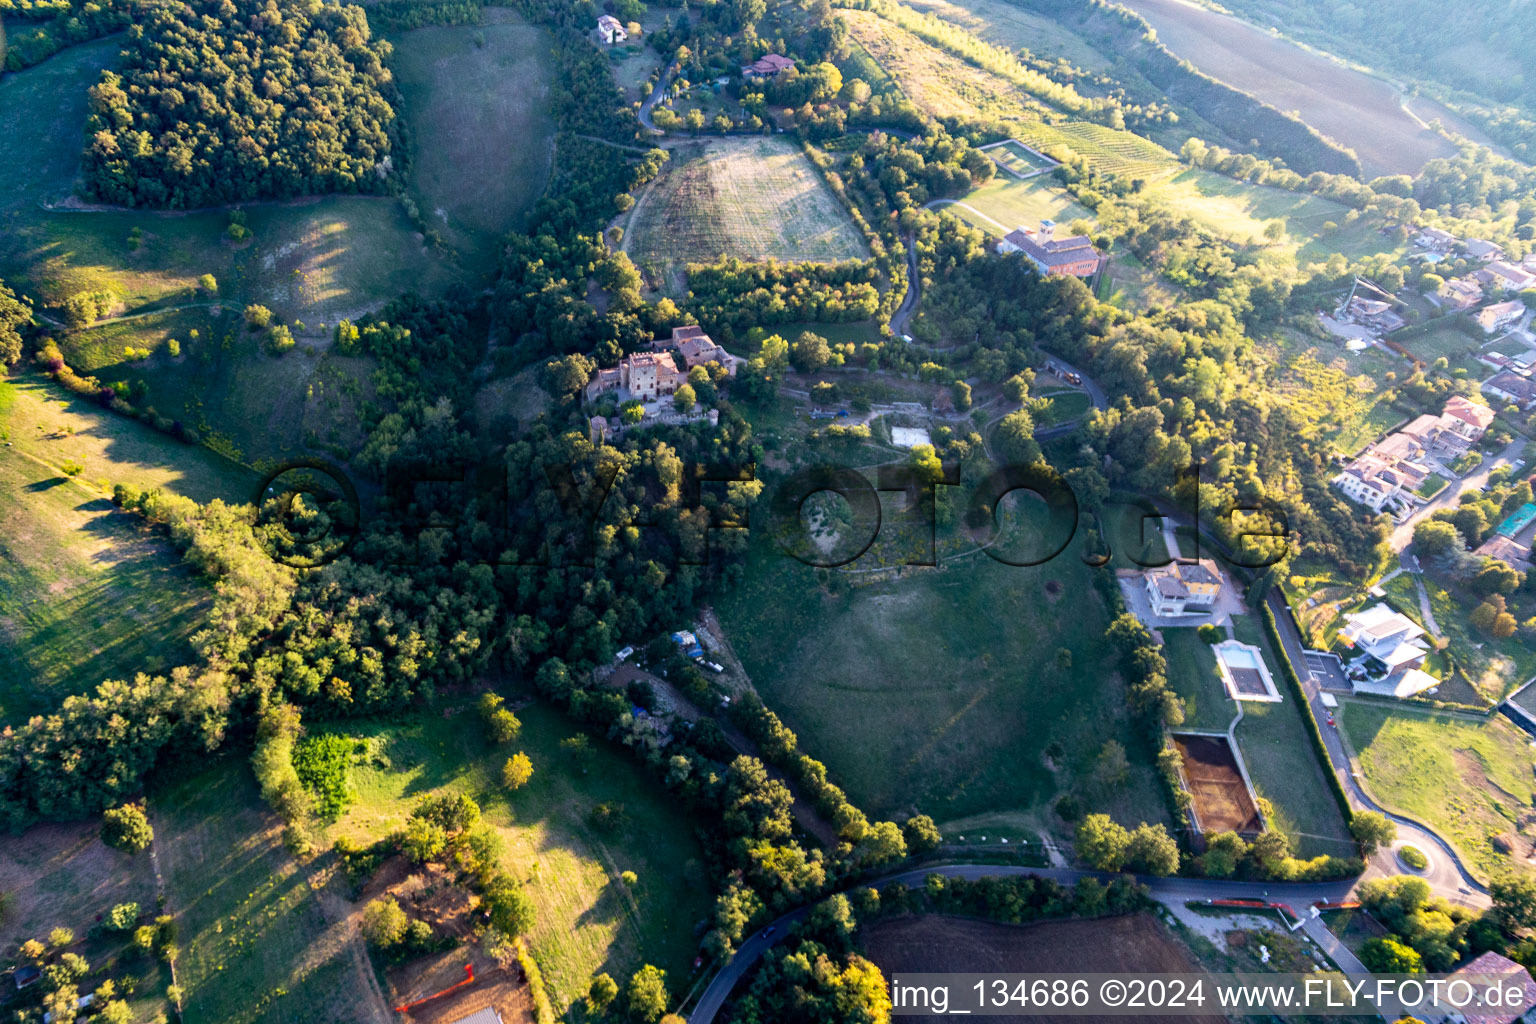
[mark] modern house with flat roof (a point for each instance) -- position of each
(1392, 653)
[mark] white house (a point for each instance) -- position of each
(1394, 652)
(611, 30)
(1499, 315)
(1185, 586)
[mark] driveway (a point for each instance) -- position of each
(1402, 536)
(1445, 873)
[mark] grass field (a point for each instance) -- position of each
(1283, 767)
(1008, 24)
(1340, 391)
(940, 691)
(314, 260)
(62, 876)
(256, 942)
(476, 98)
(1012, 155)
(588, 921)
(1005, 203)
(1468, 779)
(1192, 674)
(1354, 109)
(86, 592)
(754, 198)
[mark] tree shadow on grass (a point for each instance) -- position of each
(48, 484)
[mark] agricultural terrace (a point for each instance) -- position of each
(1353, 108)
(943, 691)
(1111, 150)
(587, 919)
(87, 593)
(1468, 778)
(261, 936)
(937, 82)
(476, 98)
(752, 198)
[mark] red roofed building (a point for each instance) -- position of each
(1074, 256)
(1493, 965)
(767, 66)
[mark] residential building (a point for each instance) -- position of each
(1389, 639)
(1185, 586)
(1486, 968)
(1479, 249)
(1435, 240)
(698, 349)
(1074, 256)
(484, 1015)
(1380, 485)
(1374, 313)
(1466, 418)
(1511, 387)
(1461, 293)
(1460, 426)
(611, 30)
(1499, 315)
(1505, 549)
(1506, 276)
(767, 66)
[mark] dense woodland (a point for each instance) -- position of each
(220, 101)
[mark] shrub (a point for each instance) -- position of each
(1414, 858)
(384, 923)
(321, 763)
(1210, 633)
(279, 339)
(258, 316)
(126, 828)
(517, 771)
(123, 917)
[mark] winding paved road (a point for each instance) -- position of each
(1298, 896)
(909, 301)
(1445, 873)
(655, 97)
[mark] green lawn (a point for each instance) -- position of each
(588, 921)
(256, 944)
(87, 593)
(1431, 486)
(475, 98)
(1006, 203)
(1469, 779)
(940, 691)
(1281, 761)
(1128, 532)
(1442, 339)
(1193, 676)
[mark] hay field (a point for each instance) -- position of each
(753, 198)
(1355, 109)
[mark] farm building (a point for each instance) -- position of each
(1244, 673)
(1186, 586)
(1512, 387)
(1074, 256)
(1499, 315)
(767, 66)
(610, 30)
